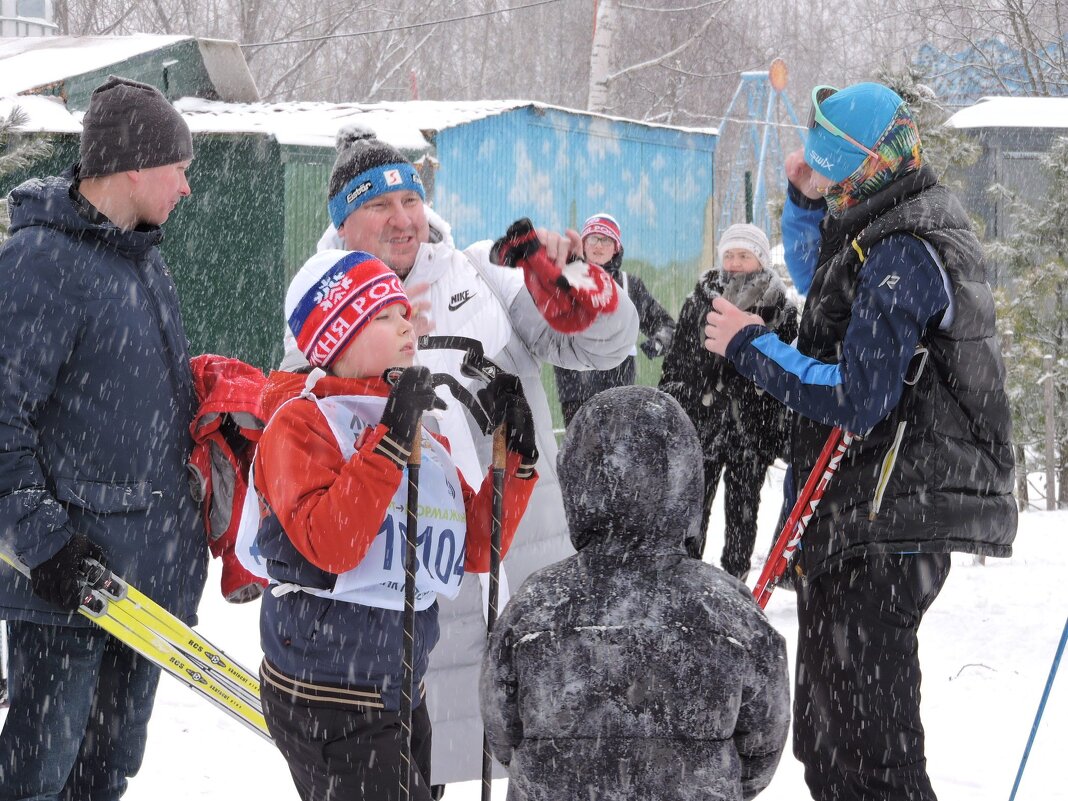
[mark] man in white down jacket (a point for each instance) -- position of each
(376, 203)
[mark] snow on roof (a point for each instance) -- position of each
(316, 124)
(43, 113)
(1013, 112)
(312, 124)
(31, 61)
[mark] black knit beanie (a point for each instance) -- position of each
(379, 166)
(131, 126)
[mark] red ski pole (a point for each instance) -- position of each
(809, 498)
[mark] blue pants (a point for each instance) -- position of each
(80, 704)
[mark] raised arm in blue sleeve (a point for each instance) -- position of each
(801, 217)
(900, 291)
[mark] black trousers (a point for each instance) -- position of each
(743, 475)
(569, 409)
(337, 754)
(857, 726)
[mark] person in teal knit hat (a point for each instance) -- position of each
(897, 344)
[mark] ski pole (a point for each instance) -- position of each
(3, 663)
(500, 454)
(786, 543)
(1041, 709)
(410, 533)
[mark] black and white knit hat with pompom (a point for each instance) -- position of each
(366, 167)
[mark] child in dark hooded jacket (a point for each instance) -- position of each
(631, 670)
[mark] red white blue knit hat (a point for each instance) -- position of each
(333, 296)
(603, 225)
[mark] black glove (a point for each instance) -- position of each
(504, 402)
(519, 243)
(412, 394)
(60, 579)
(658, 343)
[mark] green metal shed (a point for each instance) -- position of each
(259, 178)
(70, 67)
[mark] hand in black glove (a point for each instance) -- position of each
(518, 244)
(504, 402)
(60, 579)
(412, 394)
(658, 343)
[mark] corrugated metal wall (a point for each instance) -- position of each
(558, 168)
(224, 245)
(307, 173)
(175, 69)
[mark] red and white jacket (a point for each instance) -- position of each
(332, 508)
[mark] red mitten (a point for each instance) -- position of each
(569, 300)
(238, 585)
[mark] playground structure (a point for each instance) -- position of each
(752, 146)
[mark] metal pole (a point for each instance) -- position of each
(500, 454)
(1041, 709)
(410, 534)
(748, 196)
(1051, 434)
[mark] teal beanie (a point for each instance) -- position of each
(864, 111)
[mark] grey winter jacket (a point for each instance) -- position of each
(578, 386)
(96, 397)
(629, 670)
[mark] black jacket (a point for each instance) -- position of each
(631, 670)
(951, 484)
(96, 398)
(727, 409)
(578, 386)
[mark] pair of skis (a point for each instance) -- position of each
(142, 624)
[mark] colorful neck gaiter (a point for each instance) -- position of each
(901, 153)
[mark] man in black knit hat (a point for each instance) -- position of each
(376, 202)
(96, 397)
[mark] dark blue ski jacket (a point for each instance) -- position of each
(933, 472)
(96, 397)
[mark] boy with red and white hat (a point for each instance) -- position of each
(328, 471)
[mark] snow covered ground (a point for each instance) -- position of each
(986, 647)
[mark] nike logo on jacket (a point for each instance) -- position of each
(459, 299)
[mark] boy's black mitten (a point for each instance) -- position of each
(412, 394)
(504, 402)
(60, 579)
(659, 343)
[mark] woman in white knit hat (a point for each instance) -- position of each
(742, 430)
